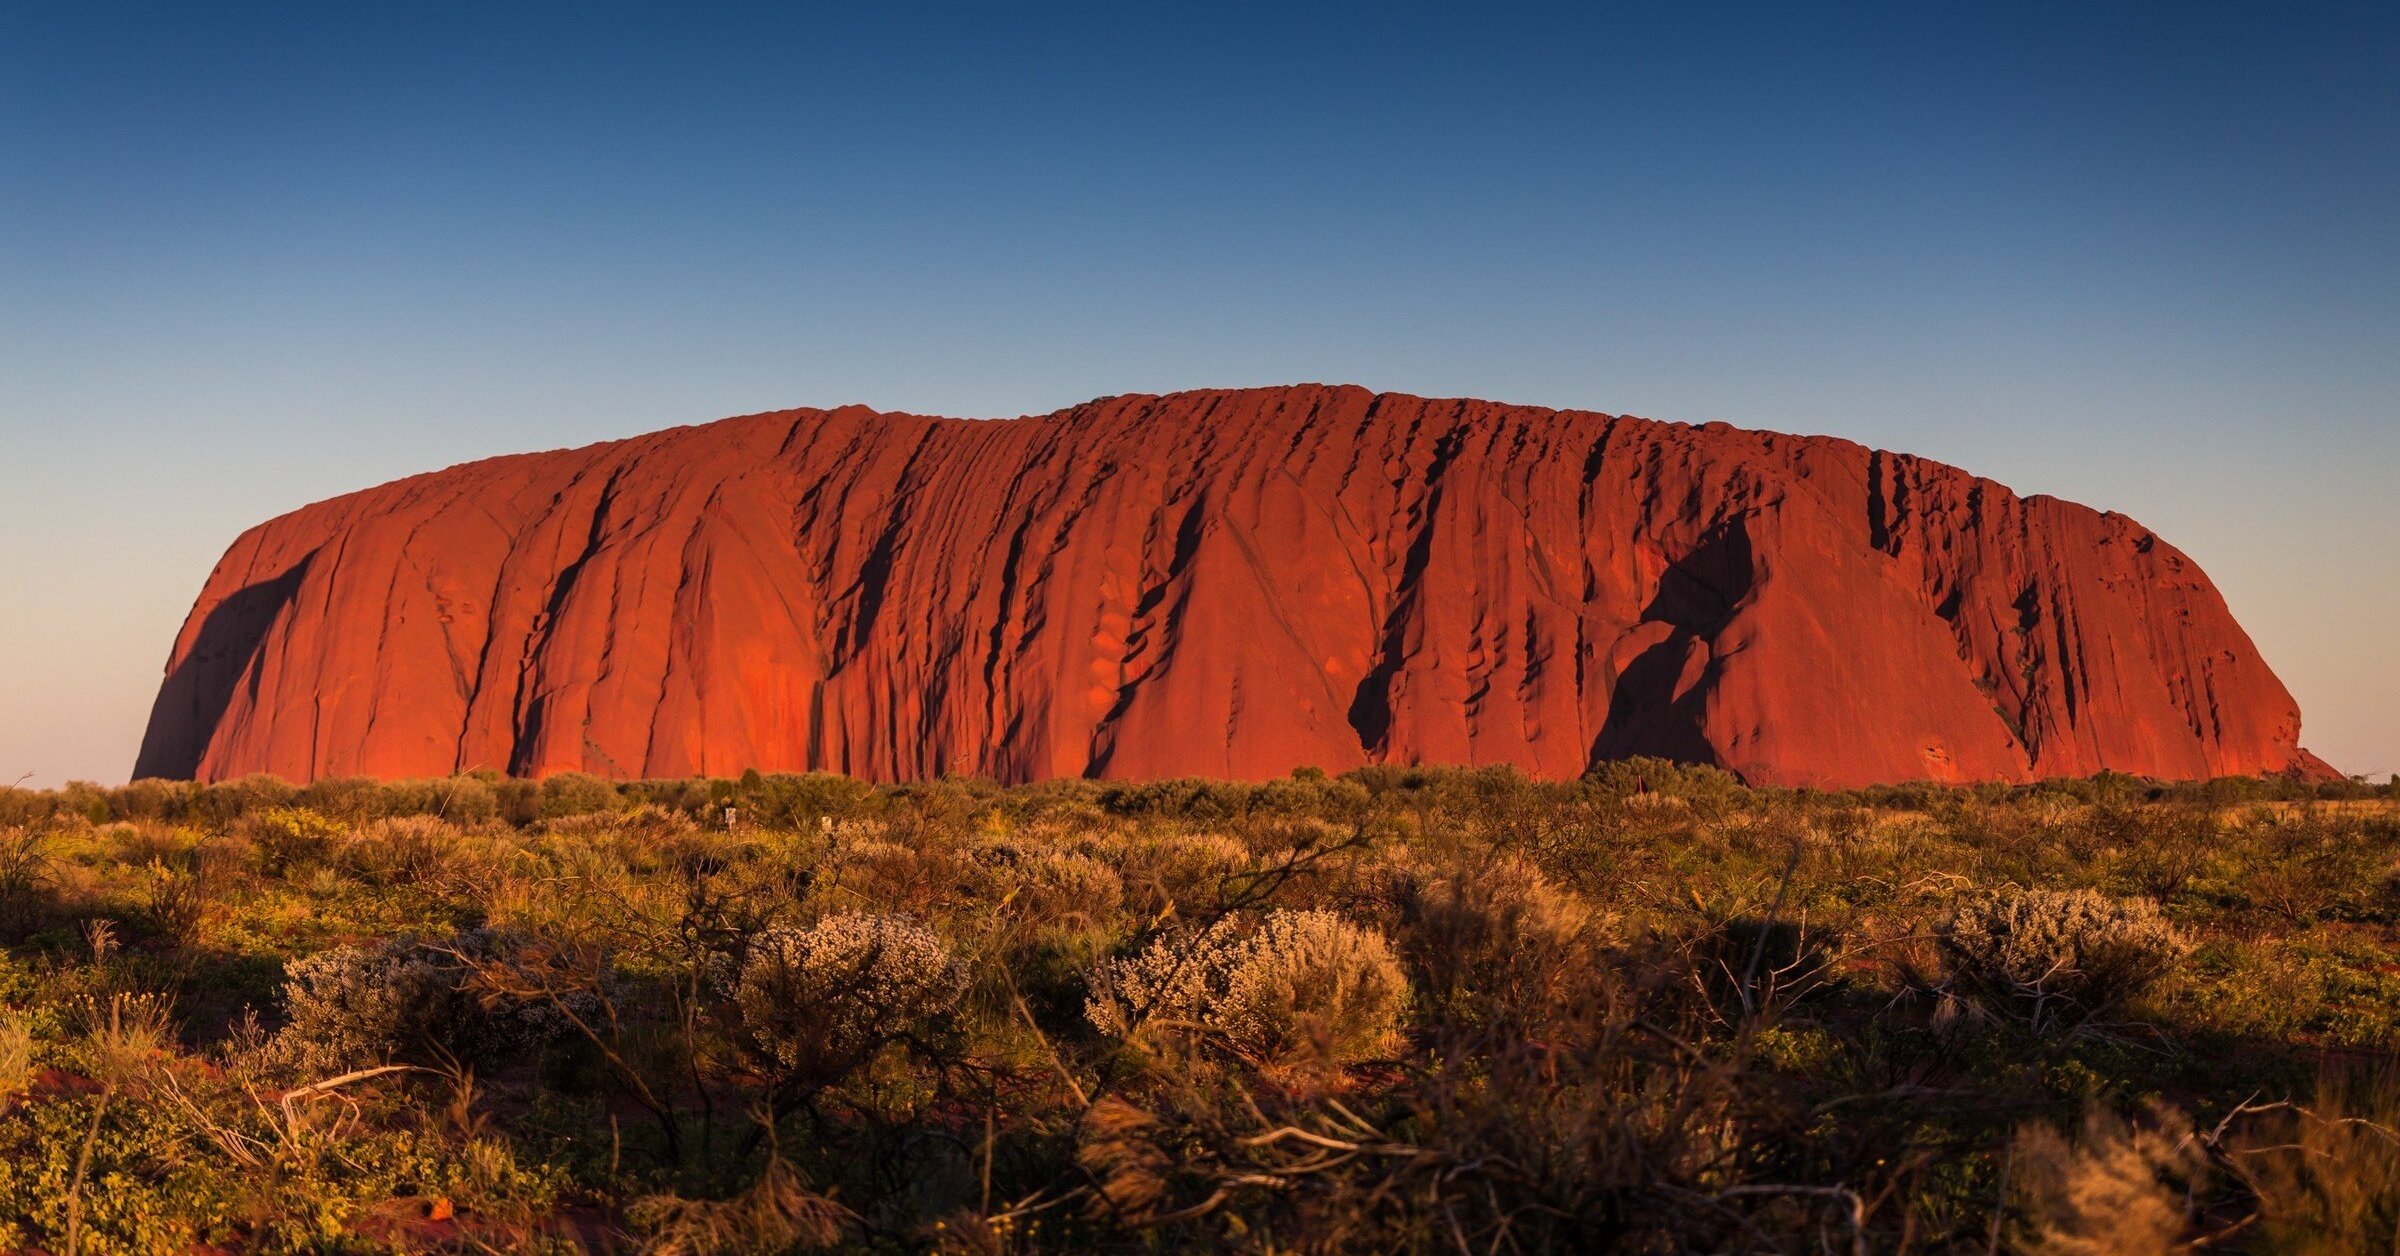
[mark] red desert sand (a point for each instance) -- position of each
(1226, 584)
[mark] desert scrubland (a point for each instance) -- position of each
(1391, 1010)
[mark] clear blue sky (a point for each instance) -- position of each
(255, 255)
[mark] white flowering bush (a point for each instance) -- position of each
(822, 1000)
(351, 1007)
(1291, 988)
(2054, 959)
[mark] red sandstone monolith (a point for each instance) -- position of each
(1229, 584)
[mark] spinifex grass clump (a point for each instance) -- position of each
(1401, 1009)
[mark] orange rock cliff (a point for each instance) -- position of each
(1229, 584)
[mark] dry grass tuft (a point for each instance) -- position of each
(777, 1214)
(2120, 1190)
(2327, 1176)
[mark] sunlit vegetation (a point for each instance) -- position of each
(1648, 1011)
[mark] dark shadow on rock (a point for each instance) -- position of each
(193, 700)
(1650, 712)
(1371, 704)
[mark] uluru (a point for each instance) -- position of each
(1217, 583)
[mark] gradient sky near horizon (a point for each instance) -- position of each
(255, 255)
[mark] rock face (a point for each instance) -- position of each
(1227, 584)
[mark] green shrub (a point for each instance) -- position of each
(575, 794)
(1494, 939)
(152, 800)
(291, 838)
(1641, 774)
(24, 880)
(2313, 865)
(228, 801)
(461, 800)
(356, 799)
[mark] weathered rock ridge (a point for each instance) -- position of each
(1223, 584)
